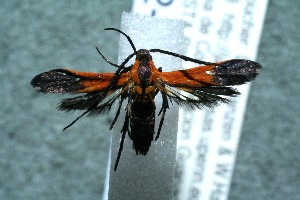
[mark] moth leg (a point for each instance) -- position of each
(165, 106)
(123, 131)
(117, 114)
(88, 110)
(160, 123)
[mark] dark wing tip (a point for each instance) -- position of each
(56, 81)
(236, 72)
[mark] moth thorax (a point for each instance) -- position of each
(144, 72)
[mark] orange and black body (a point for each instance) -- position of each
(142, 115)
(206, 85)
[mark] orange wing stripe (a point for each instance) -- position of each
(194, 77)
(97, 82)
(91, 75)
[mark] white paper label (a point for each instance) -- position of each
(208, 139)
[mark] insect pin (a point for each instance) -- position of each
(206, 85)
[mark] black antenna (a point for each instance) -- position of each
(113, 64)
(128, 38)
(182, 57)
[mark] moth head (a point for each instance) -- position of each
(143, 54)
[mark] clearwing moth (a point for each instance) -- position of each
(206, 85)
